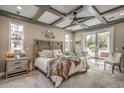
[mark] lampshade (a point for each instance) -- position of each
(10, 54)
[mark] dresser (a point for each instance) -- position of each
(16, 66)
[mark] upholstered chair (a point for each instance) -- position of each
(114, 60)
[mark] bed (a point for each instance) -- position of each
(42, 63)
(56, 66)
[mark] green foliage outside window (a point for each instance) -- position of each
(102, 41)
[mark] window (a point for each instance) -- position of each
(16, 37)
(67, 42)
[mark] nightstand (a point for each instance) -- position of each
(16, 66)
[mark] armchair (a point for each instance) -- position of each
(114, 60)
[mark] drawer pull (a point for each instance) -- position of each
(18, 62)
(18, 68)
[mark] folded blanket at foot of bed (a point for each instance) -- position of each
(60, 68)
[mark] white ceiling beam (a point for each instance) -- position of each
(38, 14)
(96, 14)
(55, 12)
(49, 9)
(40, 11)
(113, 11)
(57, 21)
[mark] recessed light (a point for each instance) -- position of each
(122, 13)
(19, 7)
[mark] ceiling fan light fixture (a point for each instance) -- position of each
(19, 7)
(121, 13)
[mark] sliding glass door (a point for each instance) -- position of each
(103, 44)
(98, 44)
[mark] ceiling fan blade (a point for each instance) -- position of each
(82, 24)
(80, 21)
(69, 26)
(88, 17)
(72, 22)
(70, 18)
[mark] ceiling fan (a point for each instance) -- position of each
(77, 20)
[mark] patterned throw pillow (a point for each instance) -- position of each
(57, 53)
(47, 53)
(40, 54)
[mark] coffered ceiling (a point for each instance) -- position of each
(25, 10)
(48, 17)
(65, 9)
(62, 15)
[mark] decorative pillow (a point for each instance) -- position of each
(47, 53)
(57, 53)
(60, 56)
(40, 54)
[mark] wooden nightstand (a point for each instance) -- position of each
(16, 66)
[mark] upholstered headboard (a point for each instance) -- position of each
(40, 45)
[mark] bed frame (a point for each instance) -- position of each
(40, 45)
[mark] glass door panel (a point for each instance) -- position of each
(91, 44)
(103, 44)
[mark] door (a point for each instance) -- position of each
(91, 44)
(103, 44)
(97, 45)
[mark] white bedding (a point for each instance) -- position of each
(42, 63)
